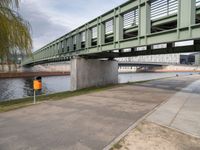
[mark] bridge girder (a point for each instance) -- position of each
(150, 22)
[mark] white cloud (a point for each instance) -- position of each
(51, 18)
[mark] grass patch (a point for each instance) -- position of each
(24, 102)
(116, 146)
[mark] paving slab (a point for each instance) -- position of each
(181, 111)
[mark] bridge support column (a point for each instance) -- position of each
(92, 73)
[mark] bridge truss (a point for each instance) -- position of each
(137, 27)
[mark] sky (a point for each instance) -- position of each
(50, 19)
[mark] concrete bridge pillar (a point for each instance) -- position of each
(93, 73)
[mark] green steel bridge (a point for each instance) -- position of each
(137, 27)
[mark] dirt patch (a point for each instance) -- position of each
(150, 136)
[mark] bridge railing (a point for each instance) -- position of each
(134, 23)
(161, 8)
(197, 2)
(197, 11)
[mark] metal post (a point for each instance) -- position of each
(34, 97)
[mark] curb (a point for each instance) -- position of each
(123, 134)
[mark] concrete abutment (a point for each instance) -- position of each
(93, 73)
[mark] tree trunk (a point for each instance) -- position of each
(2, 65)
(8, 62)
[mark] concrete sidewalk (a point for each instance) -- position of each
(182, 111)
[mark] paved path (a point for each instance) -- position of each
(87, 122)
(182, 111)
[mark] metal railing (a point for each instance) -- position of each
(198, 3)
(109, 27)
(130, 18)
(83, 37)
(161, 8)
(94, 32)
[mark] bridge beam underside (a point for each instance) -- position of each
(93, 73)
(170, 49)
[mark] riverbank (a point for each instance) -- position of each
(46, 74)
(28, 101)
(24, 102)
(16, 88)
(31, 74)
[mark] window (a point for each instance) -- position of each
(62, 46)
(130, 18)
(109, 27)
(161, 8)
(197, 2)
(109, 31)
(74, 39)
(83, 40)
(94, 32)
(83, 37)
(74, 42)
(94, 36)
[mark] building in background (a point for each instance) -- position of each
(197, 58)
(187, 59)
(167, 58)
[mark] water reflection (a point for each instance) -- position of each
(127, 77)
(19, 87)
(27, 89)
(11, 88)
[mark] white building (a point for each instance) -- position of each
(166, 58)
(197, 58)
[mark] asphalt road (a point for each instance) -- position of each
(87, 122)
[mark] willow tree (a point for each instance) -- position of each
(14, 30)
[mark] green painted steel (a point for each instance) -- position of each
(133, 24)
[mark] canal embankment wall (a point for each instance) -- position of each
(31, 74)
(64, 68)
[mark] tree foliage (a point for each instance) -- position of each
(14, 30)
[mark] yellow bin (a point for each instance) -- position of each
(37, 85)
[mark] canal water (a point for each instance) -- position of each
(11, 89)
